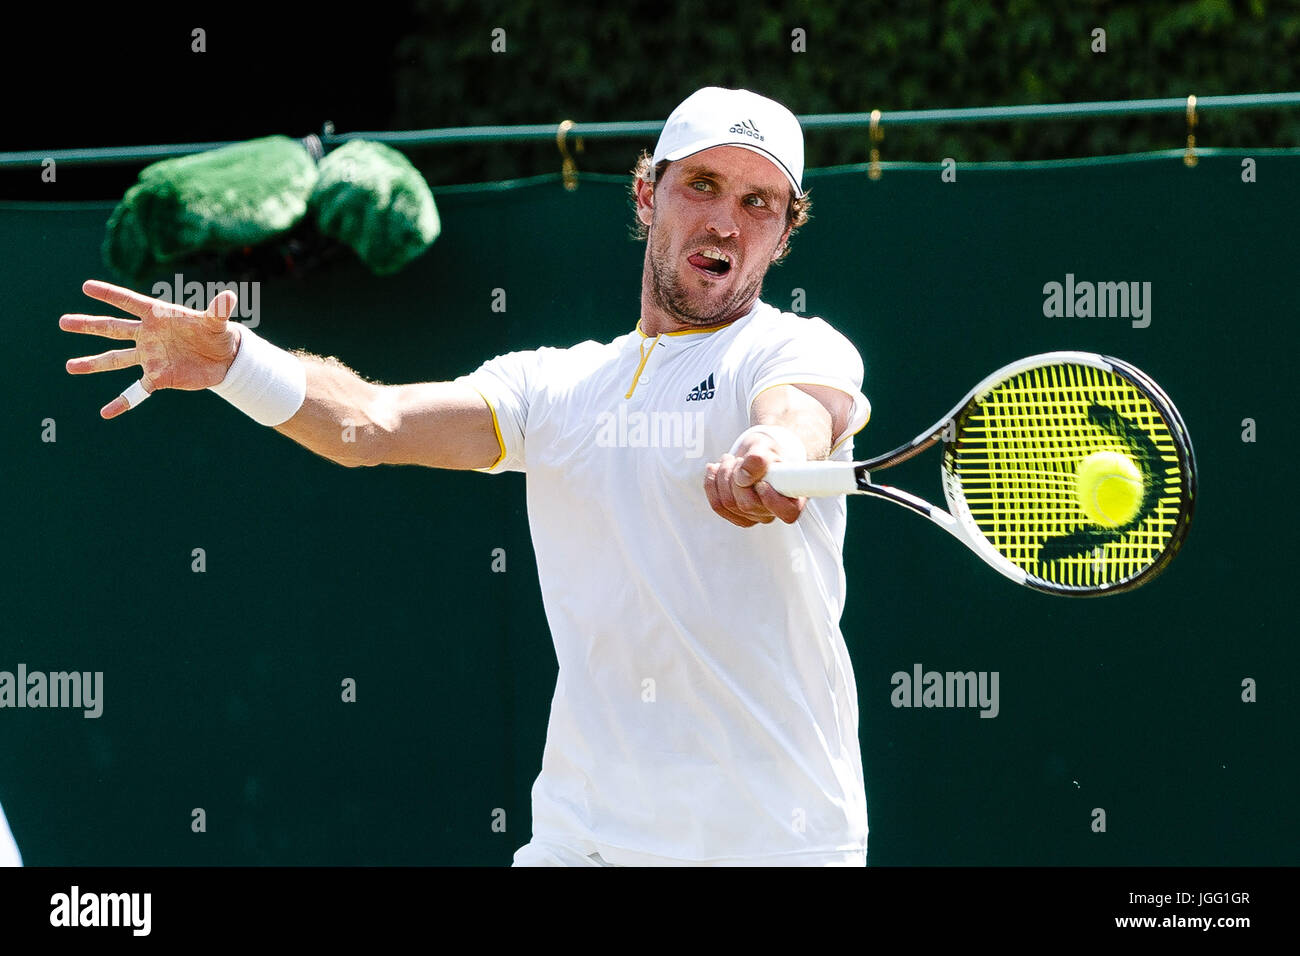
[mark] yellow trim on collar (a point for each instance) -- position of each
(645, 357)
(714, 328)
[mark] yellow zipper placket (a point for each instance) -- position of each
(645, 355)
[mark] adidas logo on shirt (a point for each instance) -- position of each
(702, 392)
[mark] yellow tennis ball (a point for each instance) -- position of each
(1109, 487)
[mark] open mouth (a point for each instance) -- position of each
(712, 262)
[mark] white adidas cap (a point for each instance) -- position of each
(717, 117)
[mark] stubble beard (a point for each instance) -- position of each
(671, 295)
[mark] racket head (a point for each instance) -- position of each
(1009, 471)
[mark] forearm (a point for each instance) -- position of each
(342, 415)
(358, 423)
(331, 410)
(788, 424)
(789, 407)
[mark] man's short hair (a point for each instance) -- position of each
(797, 212)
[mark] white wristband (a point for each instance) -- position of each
(264, 382)
(789, 445)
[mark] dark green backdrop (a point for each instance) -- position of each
(222, 689)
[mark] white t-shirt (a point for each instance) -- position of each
(705, 709)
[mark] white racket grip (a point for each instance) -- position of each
(812, 479)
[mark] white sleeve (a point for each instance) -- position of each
(810, 352)
(506, 383)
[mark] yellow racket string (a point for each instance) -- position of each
(1015, 459)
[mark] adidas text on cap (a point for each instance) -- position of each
(714, 116)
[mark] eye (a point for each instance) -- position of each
(700, 185)
(756, 200)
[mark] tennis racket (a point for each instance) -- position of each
(1010, 449)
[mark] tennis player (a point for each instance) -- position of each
(705, 711)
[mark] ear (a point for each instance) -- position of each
(645, 201)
